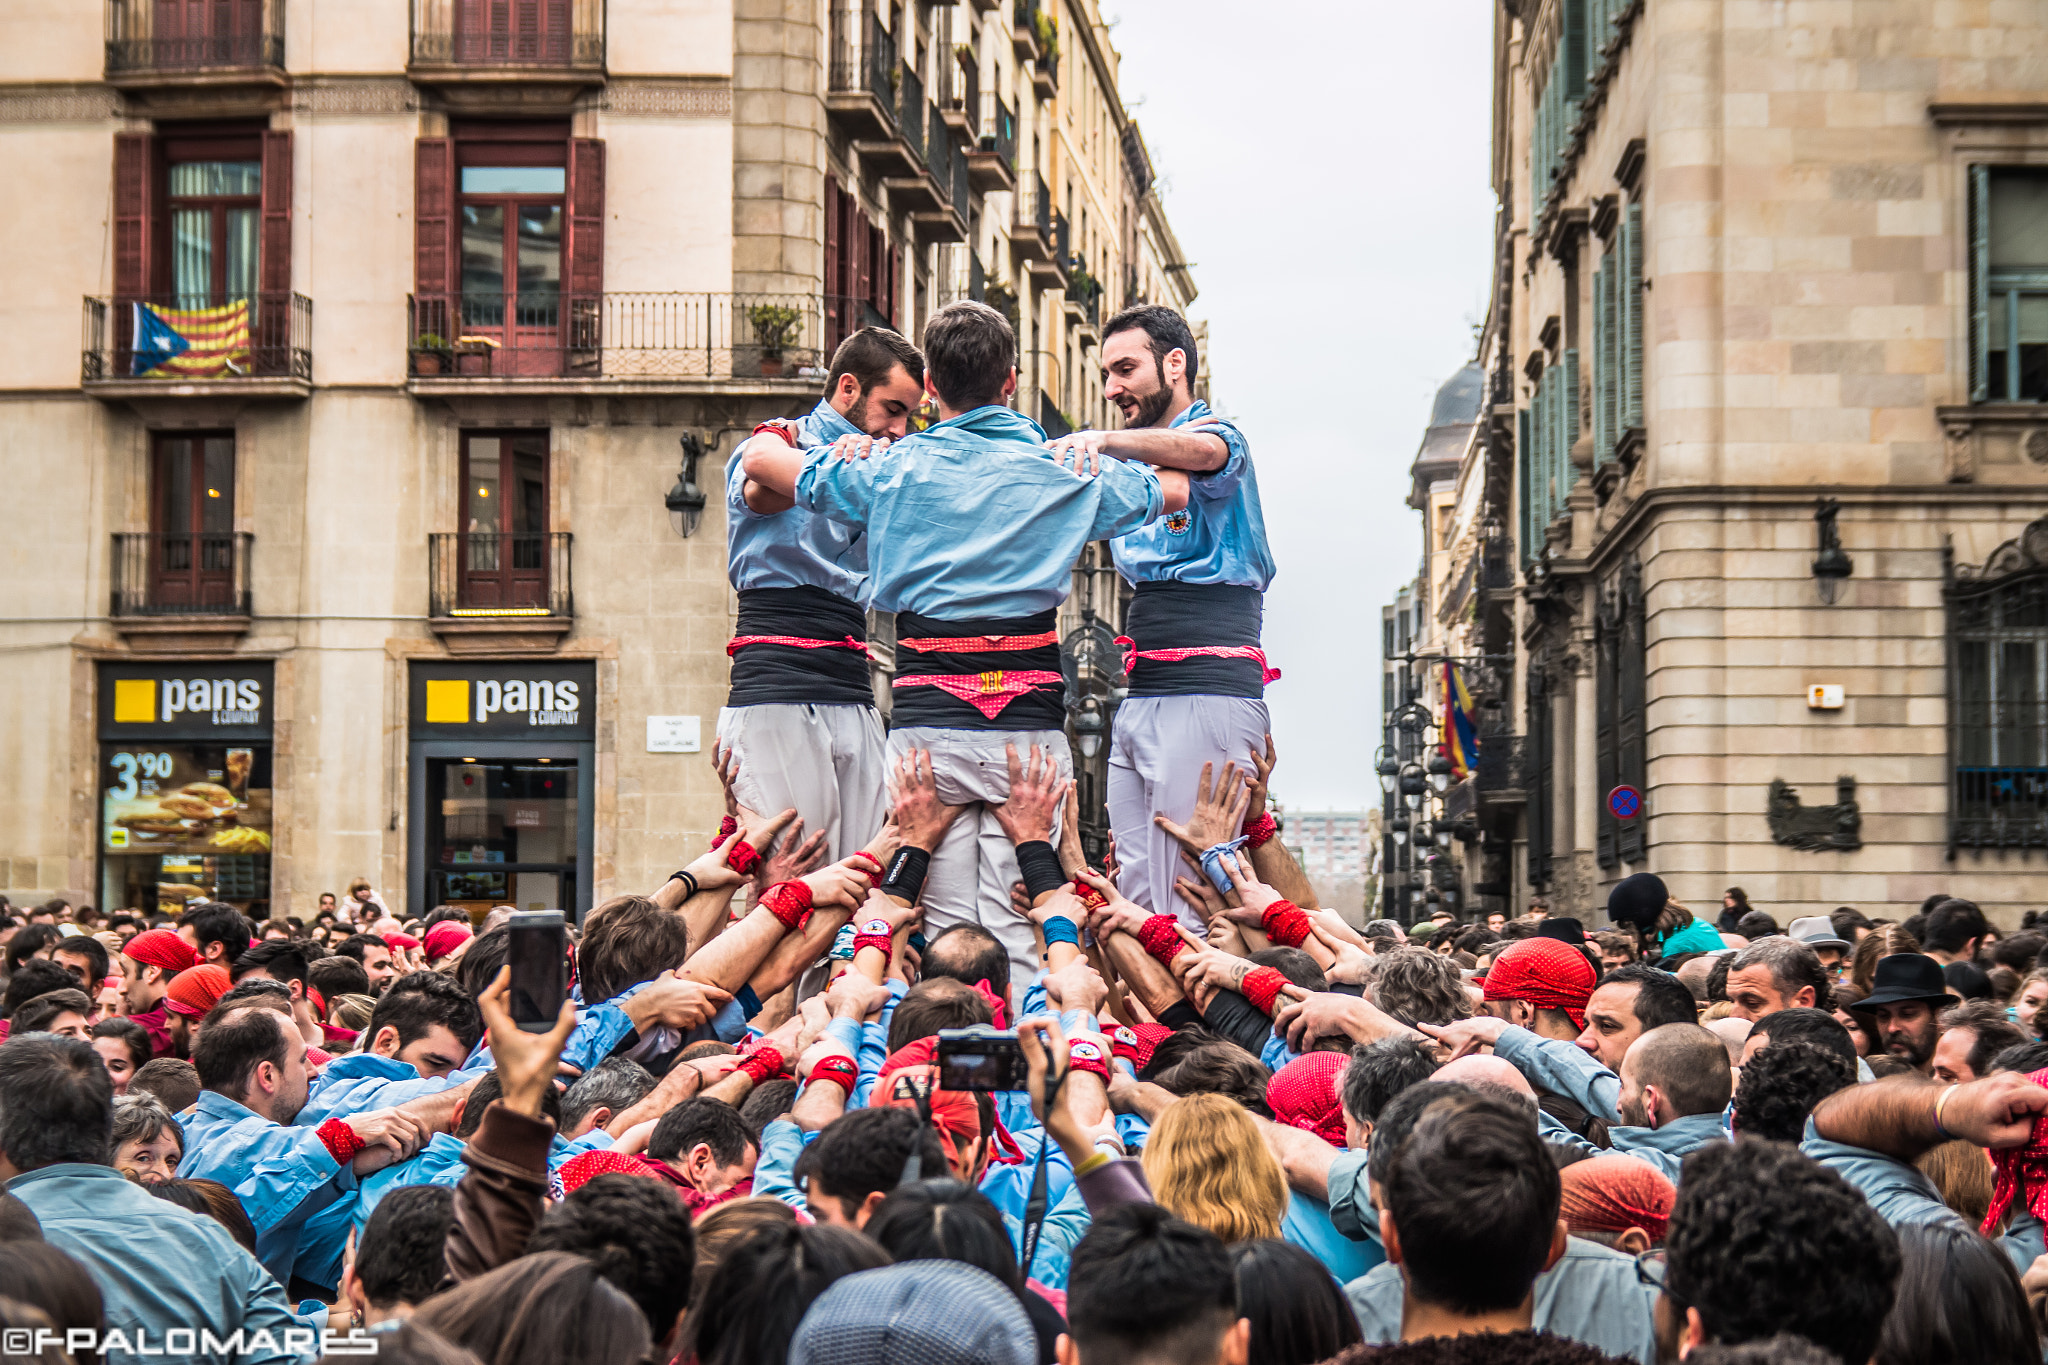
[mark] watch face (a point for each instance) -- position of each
(875, 926)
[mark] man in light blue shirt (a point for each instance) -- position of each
(159, 1269)
(801, 713)
(972, 534)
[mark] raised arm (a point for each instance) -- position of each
(1906, 1116)
(1190, 448)
(771, 462)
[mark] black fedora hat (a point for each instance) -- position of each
(1903, 976)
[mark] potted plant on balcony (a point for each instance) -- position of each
(774, 324)
(431, 354)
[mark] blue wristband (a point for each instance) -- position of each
(842, 944)
(1060, 929)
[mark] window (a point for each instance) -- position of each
(1998, 697)
(2008, 285)
(215, 207)
(1618, 338)
(1551, 426)
(504, 553)
(512, 245)
(488, 32)
(1621, 700)
(192, 516)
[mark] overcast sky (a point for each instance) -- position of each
(1325, 168)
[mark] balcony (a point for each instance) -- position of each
(195, 43)
(496, 591)
(992, 161)
(1500, 772)
(1045, 74)
(1051, 418)
(1083, 296)
(939, 212)
(615, 343)
(167, 346)
(1028, 24)
(860, 93)
(1035, 233)
(182, 591)
(467, 44)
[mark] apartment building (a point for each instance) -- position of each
(375, 526)
(1335, 850)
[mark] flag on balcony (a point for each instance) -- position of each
(191, 343)
(1461, 734)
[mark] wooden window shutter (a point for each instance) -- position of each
(434, 216)
(831, 235)
(134, 196)
(890, 256)
(1631, 311)
(1980, 286)
(863, 254)
(275, 270)
(586, 216)
(1603, 358)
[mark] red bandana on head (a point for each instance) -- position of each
(988, 993)
(1547, 973)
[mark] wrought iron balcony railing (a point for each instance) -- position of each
(998, 128)
(519, 573)
(193, 37)
(863, 56)
(194, 573)
(177, 338)
(1502, 764)
(615, 336)
(566, 35)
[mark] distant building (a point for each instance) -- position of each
(1334, 851)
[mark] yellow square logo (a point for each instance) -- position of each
(134, 701)
(447, 701)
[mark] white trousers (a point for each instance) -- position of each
(827, 761)
(1156, 752)
(975, 865)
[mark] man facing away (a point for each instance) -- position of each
(801, 713)
(1197, 674)
(972, 534)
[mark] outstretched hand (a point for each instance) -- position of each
(1037, 790)
(1219, 810)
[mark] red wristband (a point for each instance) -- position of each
(783, 427)
(743, 858)
(875, 876)
(836, 1069)
(340, 1140)
(1285, 923)
(1084, 1055)
(789, 902)
(727, 827)
(762, 1063)
(1091, 899)
(1260, 830)
(874, 933)
(1124, 1044)
(1160, 939)
(1262, 986)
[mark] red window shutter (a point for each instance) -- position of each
(886, 305)
(434, 215)
(863, 253)
(275, 275)
(831, 235)
(586, 216)
(134, 186)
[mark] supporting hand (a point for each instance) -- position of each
(921, 817)
(1219, 810)
(1036, 793)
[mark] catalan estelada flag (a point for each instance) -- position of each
(192, 343)
(1461, 734)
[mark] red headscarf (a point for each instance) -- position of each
(161, 948)
(580, 1170)
(1614, 1194)
(1303, 1094)
(954, 1113)
(1548, 974)
(196, 990)
(2022, 1172)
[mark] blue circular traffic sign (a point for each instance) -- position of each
(1625, 803)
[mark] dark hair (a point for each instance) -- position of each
(638, 1235)
(1783, 1349)
(18, 1222)
(1220, 1069)
(767, 1102)
(233, 1044)
(259, 991)
(616, 1083)
(2021, 951)
(1298, 1314)
(870, 354)
(1381, 1070)
(1804, 1025)
(1176, 1045)
(1142, 1283)
(1967, 980)
(1661, 998)
(282, 959)
(714, 1123)
(56, 1102)
(1165, 330)
(210, 1199)
(336, 975)
(418, 1001)
(1792, 964)
(1474, 1198)
(1951, 924)
(1294, 964)
(1688, 1063)
(1959, 1299)
(485, 954)
(970, 351)
(490, 1088)
(1994, 1032)
(1764, 1240)
(38, 1014)
(37, 976)
(1755, 924)
(627, 940)
(2025, 1058)
(945, 1220)
(1398, 1117)
(1478, 938)
(1741, 897)
(1717, 977)
(1783, 1083)
(545, 1308)
(1847, 921)
(864, 1152)
(400, 1256)
(49, 1278)
(761, 1287)
(968, 953)
(441, 913)
(936, 1003)
(27, 942)
(173, 1080)
(94, 952)
(355, 945)
(133, 1037)
(213, 922)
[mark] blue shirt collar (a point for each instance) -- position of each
(1193, 412)
(214, 1105)
(830, 424)
(994, 422)
(64, 1170)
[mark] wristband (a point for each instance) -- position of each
(1212, 864)
(783, 427)
(1285, 923)
(1123, 1043)
(1085, 1055)
(875, 876)
(1939, 1101)
(1159, 938)
(1091, 899)
(842, 944)
(789, 902)
(688, 879)
(1257, 832)
(1060, 929)
(1041, 868)
(727, 827)
(340, 1140)
(743, 858)
(839, 1070)
(1093, 1163)
(874, 933)
(1261, 986)
(905, 879)
(762, 1063)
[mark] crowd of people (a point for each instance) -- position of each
(775, 1121)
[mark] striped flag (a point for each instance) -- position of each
(1461, 733)
(192, 343)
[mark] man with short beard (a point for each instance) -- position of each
(1904, 1005)
(802, 709)
(1197, 674)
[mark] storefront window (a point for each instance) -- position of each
(503, 832)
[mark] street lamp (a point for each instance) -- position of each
(1413, 784)
(1399, 828)
(1390, 772)
(1439, 772)
(1088, 726)
(1415, 896)
(686, 500)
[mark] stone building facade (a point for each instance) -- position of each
(412, 334)
(1754, 526)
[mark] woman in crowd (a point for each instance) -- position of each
(124, 1047)
(1207, 1161)
(148, 1143)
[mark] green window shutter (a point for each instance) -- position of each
(1524, 470)
(1980, 286)
(1572, 48)
(1571, 419)
(1603, 359)
(1630, 286)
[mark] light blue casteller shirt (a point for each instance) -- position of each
(282, 1174)
(1219, 538)
(794, 548)
(1569, 1070)
(971, 519)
